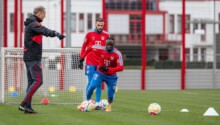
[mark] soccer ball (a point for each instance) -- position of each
(92, 104)
(154, 109)
(86, 106)
(82, 103)
(103, 104)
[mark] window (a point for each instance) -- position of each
(179, 24)
(119, 5)
(11, 22)
(97, 16)
(111, 5)
(219, 24)
(195, 54)
(81, 22)
(89, 21)
(187, 24)
(151, 5)
(126, 5)
(203, 26)
(171, 23)
(177, 54)
(203, 54)
(135, 4)
(195, 27)
(135, 28)
(187, 54)
(73, 22)
(163, 54)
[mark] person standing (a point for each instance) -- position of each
(110, 63)
(96, 37)
(33, 54)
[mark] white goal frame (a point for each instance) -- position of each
(63, 81)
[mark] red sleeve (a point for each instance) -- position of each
(87, 51)
(84, 46)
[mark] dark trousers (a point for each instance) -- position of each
(35, 79)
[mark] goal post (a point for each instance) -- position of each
(63, 81)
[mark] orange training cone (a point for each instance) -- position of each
(44, 101)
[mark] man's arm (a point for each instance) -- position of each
(89, 49)
(116, 69)
(36, 27)
(85, 53)
(85, 45)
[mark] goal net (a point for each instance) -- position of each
(63, 81)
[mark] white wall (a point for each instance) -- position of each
(118, 23)
(198, 10)
(52, 20)
(154, 24)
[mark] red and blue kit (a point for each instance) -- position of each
(113, 60)
(93, 38)
(114, 63)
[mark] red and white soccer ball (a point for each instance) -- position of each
(103, 104)
(87, 106)
(154, 109)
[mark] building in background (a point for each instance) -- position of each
(163, 25)
(83, 16)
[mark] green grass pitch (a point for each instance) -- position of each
(129, 108)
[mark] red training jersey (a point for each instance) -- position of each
(93, 38)
(113, 60)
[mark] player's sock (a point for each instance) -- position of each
(23, 104)
(97, 104)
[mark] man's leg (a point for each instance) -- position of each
(30, 81)
(111, 85)
(35, 70)
(98, 93)
(96, 80)
(90, 70)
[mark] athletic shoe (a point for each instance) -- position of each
(21, 108)
(98, 108)
(108, 108)
(29, 110)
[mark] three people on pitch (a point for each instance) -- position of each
(33, 54)
(110, 62)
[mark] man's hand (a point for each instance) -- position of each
(103, 68)
(60, 36)
(80, 64)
